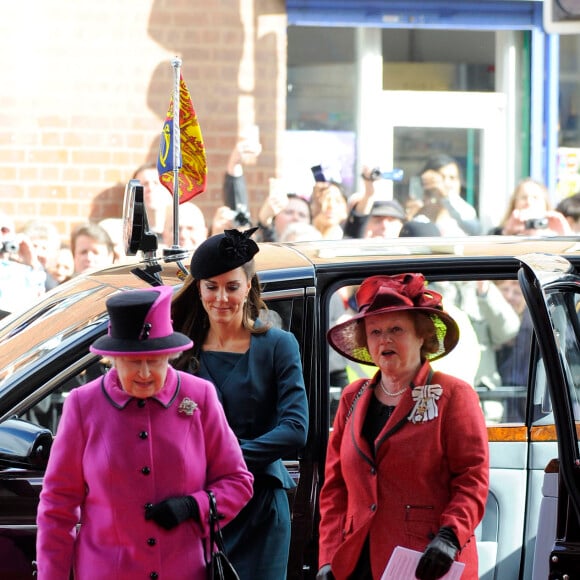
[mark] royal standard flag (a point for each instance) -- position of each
(192, 163)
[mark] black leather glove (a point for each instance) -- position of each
(169, 513)
(438, 555)
(325, 573)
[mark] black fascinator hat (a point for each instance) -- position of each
(222, 253)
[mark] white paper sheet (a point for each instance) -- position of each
(403, 563)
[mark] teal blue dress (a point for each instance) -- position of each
(264, 398)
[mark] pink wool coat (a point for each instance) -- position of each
(423, 476)
(112, 456)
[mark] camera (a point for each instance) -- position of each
(377, 173)
(9, 247)
(242, 219)
(239, 218)
(536, 224)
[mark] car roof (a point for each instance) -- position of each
(322, 252)
(80, 303)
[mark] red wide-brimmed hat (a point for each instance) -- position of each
(382, 294)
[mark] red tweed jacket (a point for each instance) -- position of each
(420, 477)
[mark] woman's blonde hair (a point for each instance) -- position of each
(516, 192)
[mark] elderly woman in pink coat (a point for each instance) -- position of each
(125, 490)
(407, 462)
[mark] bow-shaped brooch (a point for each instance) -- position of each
(425, 398)
(187, 406)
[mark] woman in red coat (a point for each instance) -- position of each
(407, 462)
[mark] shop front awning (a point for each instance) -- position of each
(429, 14)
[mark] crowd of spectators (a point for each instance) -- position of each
(39, 256)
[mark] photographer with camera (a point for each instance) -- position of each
(371, 215)
(22, 277)
(530, 213)
(235, 214)
(442, 201)
(279, 210)
(328, 202)
(226, 218)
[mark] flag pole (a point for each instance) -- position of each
(176, 64)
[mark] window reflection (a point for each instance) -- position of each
(564, 313)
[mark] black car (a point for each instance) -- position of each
(531, 527)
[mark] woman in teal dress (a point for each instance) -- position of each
(257, 371)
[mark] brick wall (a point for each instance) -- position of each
(85, 86)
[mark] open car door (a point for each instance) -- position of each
(551, 288)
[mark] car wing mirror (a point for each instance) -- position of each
(136, 233)
(24, 444)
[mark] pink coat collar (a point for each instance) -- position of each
(112, 389)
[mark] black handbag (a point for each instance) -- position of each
(219, 567)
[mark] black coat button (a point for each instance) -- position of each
(148, 506)
(145, 470)
(141, 404)
(143, 434)
(374, 507)
(154, 575)
(373, 471)
(151, 541)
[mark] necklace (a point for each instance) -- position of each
(388, 393)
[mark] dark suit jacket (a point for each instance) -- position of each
(265, 403)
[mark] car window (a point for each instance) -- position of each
(47, 411)
(286, 311)
(492, 355)
(565, 315)
(564, 311)
(541, 405)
